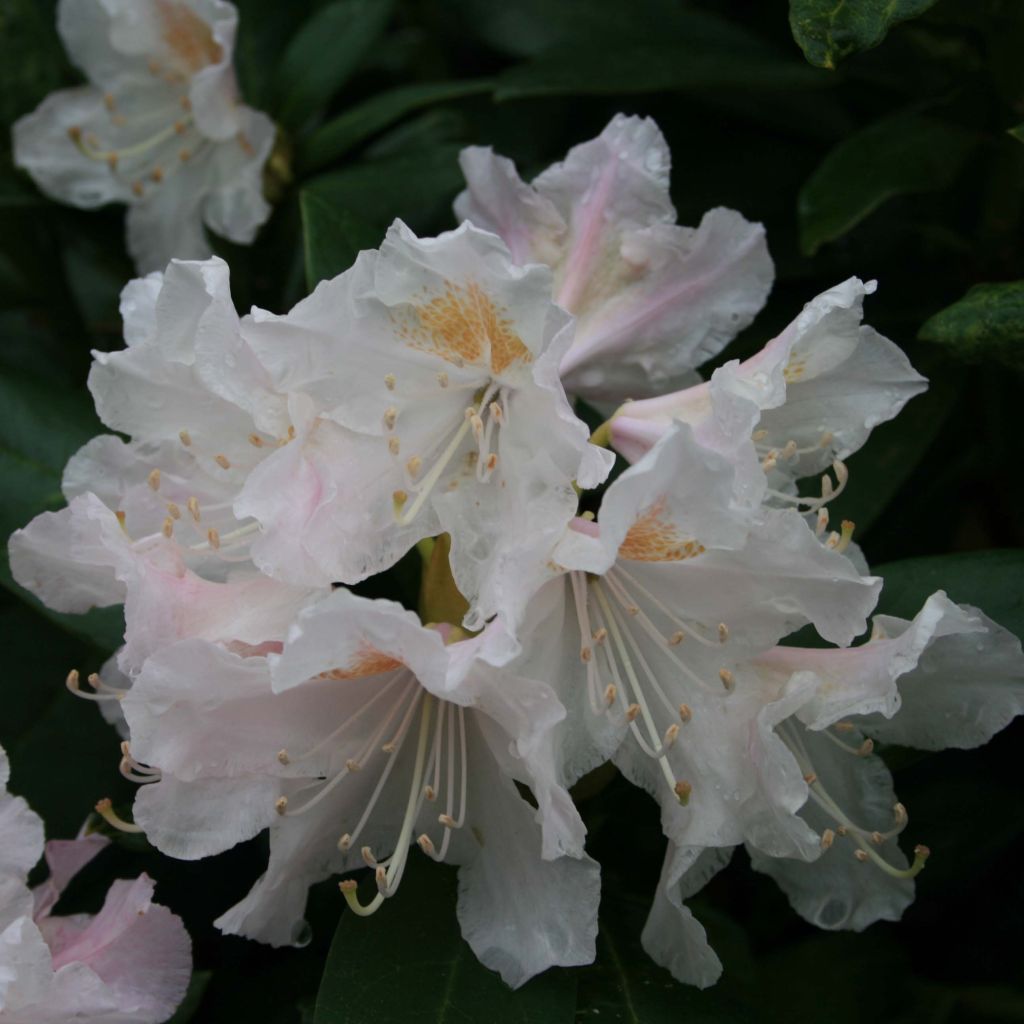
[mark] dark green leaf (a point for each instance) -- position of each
(986, 324)
(1017, 131)
(408, 962)
(419, 188)
(990, 580)
(323, 55)
(698, 61)
(337, 137)
(332, 236)
(193, 997)
(900, 155)
(829, 30)
(42, 427)
(63, 754)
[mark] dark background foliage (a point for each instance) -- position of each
(887, 149)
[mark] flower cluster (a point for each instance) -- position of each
(130, 962)
(427, 398)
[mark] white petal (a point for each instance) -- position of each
(672, 936)
(837, 890)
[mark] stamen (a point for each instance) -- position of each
(685, 713)
(281, 805)
(426, 845)
(173, 511)
(154, 479)
(861, 855)
(185, 437)
(72, 683)
(828, 837)
(728, 679)
(723, 632)
(213, 538)
(282, 756)
(222, 461)
(389, 382)
(105, 809)
(683, 790)
(390, 417)
(610, 694)
(193, 508)
(168, 528)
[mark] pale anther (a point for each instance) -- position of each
(861, 855)
(185, 437)
(394, 445)
(353, 765)
(390, 417)
(676, 638)
(389, 382)
(426, 844)
(632, 711)
(877, 838)
(442, 379)
(685, 713)
(367, 854)
(683, 790)
(282, 756)
(281, 804)
(413, 466)
(828, 837)
(866, 747)
(173, 511)
(255, 440)
(154, 479)
(810, 778)
(193, 507)
(168, 528)
(448, 821)
(723, 632)
(610, 694)
(222, 461)
(586, 654)
(728, 679)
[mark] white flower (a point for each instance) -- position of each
(131, 962)
(158, 127)
(649, 638)
(810, 397)
(430, 372)
(149, 522)
(653, 299)
(368, 734)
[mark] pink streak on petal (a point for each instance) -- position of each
(587, 243)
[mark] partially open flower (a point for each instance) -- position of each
(367, 735)
(810, 397)
(131, 962)
(653, 299)
(159, 126)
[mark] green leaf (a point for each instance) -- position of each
(332, 237)
(356, 125)
(990, 580)
(1017, 131)
(323, 55)
(418, 188)
(42, 427)
(63, 754)
(829, 30)
(901, 155)
(700, 54)
(193, 997)
(986, 324)
(408, 962)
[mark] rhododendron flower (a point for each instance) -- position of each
(150, 522)
(365, 735)
(810, 397)
(430, 372)
(131, 962)
(950, 678)
(653, 299)
(159, 126)
(649, 634)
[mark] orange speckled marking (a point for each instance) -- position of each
(465, 326)
(367, 662)
(794, 369)
(187, 36)
(652, 538)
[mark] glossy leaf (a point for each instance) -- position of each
(418, 188)
(829, 30)
(357, 124)
(900, 155)
(332, 236)
(990, 580)
(707, 58)
(322, 56)
(986, 324)
(409, 962)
